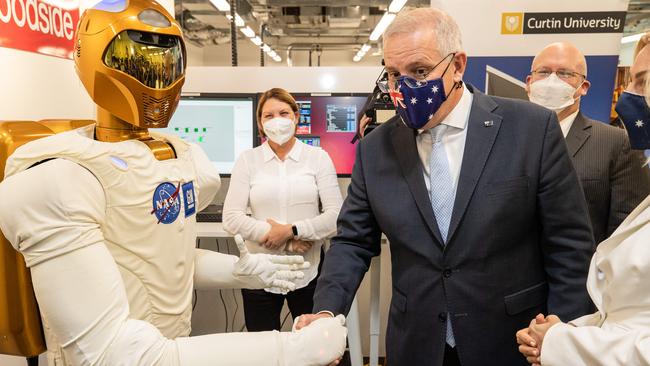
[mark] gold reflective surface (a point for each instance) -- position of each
(155, 60)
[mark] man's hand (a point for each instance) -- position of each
(530, 339)
(363, 123)
(277, 236)
(306, 319)
(298, 246)
(266, 271)
(322, 343)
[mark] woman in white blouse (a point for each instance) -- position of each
(282, 181)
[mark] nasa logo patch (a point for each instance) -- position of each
(166, 202)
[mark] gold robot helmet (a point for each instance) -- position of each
(130, 57)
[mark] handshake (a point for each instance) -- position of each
(316, 340)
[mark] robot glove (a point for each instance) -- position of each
(266, 271)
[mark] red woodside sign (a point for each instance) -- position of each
(42, 26)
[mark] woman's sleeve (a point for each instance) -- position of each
(235, 220)
(323, 226)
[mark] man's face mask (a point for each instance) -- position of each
(418, 100)
(552, 93)
(635, 114)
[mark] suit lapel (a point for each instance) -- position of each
(482, 129)
(578, 134)
(403, 140)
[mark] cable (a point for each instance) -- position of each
(234, 296)
(233, 33)
(195, 296)
(284, 320)
(225, 308)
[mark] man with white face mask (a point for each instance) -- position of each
(611, 174)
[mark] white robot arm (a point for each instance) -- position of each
(54, 221)
(252, 271)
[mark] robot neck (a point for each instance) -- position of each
(112, 129)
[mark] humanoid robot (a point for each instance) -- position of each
(104, 216)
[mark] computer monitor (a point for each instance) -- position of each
(223, 126)
(330, 121)
(310, 140)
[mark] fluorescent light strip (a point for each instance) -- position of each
(239, 22)
(396, 5)
(384, 22)
(248, 32)
(222, 5)
(257, 41)
(632, 38)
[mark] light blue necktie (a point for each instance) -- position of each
(442, 195)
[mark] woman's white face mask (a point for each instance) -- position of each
(552, 93)
(279, 129)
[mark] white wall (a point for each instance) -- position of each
(37, 87)
(294, 79)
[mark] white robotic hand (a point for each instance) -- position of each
(320, 343)
(267, 271)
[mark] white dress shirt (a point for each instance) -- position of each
(566, 123)
(288, 192)
(453, 139)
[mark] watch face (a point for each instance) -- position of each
(294, 229)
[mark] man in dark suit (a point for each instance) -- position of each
(477, 195)
(613, 178)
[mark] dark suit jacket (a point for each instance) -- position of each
(519, 241)
(612, 175)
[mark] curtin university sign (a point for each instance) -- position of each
(42, 26)
(573, 22)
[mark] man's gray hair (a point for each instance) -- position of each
(446, 30)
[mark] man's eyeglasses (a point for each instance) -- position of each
(561, 73)
(391, 81)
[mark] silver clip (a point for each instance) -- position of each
(488, 123)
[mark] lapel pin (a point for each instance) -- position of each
(488, 123)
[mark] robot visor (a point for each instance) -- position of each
(156, 60)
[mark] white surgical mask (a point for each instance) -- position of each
(279, 129)
(552, 93)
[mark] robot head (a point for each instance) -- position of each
(130, 57)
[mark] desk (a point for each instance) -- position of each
(215, 230)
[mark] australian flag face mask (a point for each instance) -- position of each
(418, 100)
(634, 112)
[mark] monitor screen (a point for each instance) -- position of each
(331, 122)
(223, 127)
(310, 140)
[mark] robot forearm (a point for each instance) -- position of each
(216, 271)
(252, 271)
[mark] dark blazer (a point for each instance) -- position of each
(612, 175)
(519, 241)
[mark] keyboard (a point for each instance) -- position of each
(212, 213)
(208, 217)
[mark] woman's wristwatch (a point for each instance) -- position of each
(294, 229)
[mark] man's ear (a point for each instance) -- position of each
(460, 64)
(584, 88)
